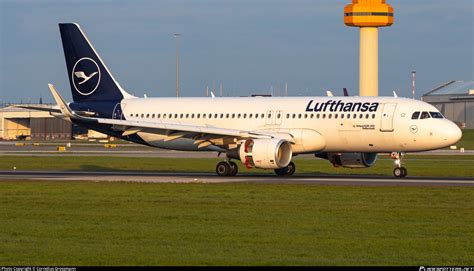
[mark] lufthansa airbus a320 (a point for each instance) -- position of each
(261, 132)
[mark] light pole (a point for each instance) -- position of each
(176, 36)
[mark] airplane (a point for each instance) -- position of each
(261, 132)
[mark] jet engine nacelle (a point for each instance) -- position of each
(265, 153)
(352, 159)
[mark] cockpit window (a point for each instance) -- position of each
(425, 115)
(436, 115)
(415, 115)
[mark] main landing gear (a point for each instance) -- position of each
(399, 171)
(286, 171)
(227, 168)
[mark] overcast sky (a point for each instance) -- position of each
(247, 45)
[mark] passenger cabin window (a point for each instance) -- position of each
(436, 115)
(425, 115)
(415, 115)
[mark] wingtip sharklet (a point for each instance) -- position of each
(61, 103)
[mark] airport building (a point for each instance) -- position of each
(19, 123)
(455, 99)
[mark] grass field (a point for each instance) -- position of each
(441, 166)
(78, 223)
(88, 223)
(467, 140)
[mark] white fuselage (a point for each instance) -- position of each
(386, 124)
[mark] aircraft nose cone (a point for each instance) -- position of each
(452, 134)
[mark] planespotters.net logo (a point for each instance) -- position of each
(86, 76)
(446, 268)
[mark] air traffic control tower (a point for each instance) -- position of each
(368, 15)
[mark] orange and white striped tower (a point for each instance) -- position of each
(368, 15)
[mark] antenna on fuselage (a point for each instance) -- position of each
(346, 93)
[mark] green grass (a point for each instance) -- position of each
(467, 140)
(442, 166)
(80, 223)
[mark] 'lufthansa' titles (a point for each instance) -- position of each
(339, 106)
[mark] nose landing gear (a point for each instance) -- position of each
(399, 171)
(227, 168)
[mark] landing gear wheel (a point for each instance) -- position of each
(281, 171)
(286, 171)
(233, 168)
(400, 172)
(291, 168)
(223, 168)
(405, 172)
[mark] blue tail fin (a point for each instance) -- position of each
(89, 77)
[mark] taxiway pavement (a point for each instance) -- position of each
(181, 177)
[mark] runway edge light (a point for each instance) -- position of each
(368, 15)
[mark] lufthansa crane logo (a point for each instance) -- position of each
(85, 76)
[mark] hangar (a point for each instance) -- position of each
(19, 123)
(455, 99)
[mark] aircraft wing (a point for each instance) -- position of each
(204, 135)
(134, 126)
(53, 109)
